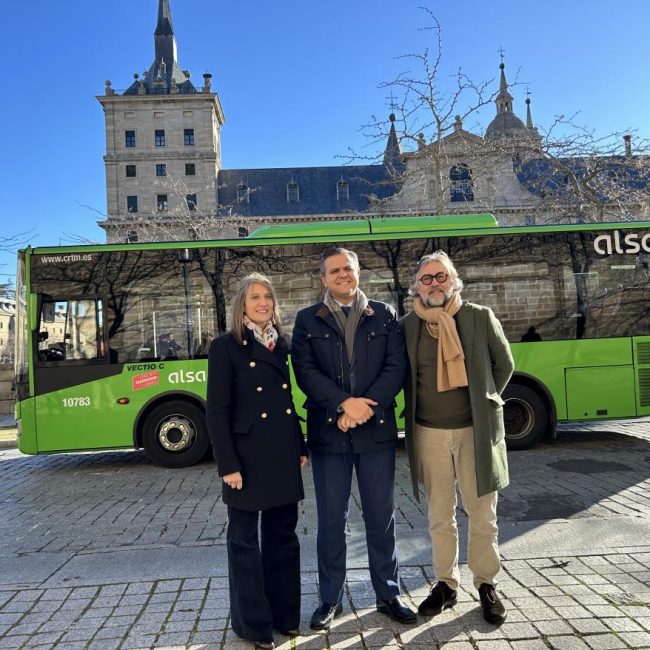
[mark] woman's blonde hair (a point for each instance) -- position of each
(237, 325)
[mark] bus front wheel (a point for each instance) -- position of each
(175, 434)
(525, 416)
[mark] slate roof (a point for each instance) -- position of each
(539, 176)
(317, 187)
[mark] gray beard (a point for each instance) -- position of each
(429, 303)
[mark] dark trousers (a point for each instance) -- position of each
(264, 578)
(333, 482)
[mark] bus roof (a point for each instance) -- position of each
(361, 229)
(376, 226)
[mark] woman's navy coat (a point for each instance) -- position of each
(252, 423)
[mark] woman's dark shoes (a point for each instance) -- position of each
(397, 610)
(324, 615)
(440, 597)
(292, 634)
(264, 645)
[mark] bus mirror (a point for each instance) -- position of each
(43, 336)
(48, 312)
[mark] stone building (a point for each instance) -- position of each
(164, 178)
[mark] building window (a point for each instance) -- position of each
(242, 193)
(190, 169)
(161, 169)
(129, 138)
(293, 193)
(132, 237)
(131, 203)
(188, 135)
(161, 202)
(130, 171)
(342, 190)
(160, 137)
(461, 186)
(192, 234)
(191, 201)
(242, 231)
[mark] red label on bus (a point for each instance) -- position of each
(145, 380)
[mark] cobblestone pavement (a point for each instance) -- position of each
(106, 551)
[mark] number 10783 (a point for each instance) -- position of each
(76, 401)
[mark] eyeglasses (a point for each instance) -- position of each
(440, 278)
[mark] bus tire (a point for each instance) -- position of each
(525, 416)
(175, 434)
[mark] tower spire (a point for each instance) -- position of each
(165, 27)
(529, 118)
(504, 98)
(393, 151)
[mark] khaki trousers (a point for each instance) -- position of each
(445, 459)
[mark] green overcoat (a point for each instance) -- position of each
(489, 366)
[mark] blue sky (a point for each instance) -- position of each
(297, 81)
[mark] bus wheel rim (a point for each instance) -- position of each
(176, 434)
(521, 418)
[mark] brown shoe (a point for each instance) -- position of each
(493, 610)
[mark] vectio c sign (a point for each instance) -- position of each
(617, 242)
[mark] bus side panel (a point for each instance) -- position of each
(26, 424)
(642, 362)
(600, 393)
(87, 415)
(548, 361)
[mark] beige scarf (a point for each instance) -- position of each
(441, 325)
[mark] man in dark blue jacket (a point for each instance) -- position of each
(349, 359)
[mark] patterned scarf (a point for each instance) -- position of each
(441, 325)
(267, 335)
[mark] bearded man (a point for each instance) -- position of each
(459, 364)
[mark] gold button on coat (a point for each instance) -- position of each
(264, 415)
(285, 386)
(288, 411)
(259, 389)
(252, 364)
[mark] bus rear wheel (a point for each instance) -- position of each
(525, 416)
(175, 434)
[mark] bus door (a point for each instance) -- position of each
(71, 359)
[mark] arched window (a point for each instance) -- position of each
(293, 193)
(342, 190)
(461, 186)
(132, 237)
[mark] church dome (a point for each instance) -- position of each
(505, 125)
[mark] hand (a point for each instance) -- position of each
(344, 423)
(303, 461)
(234, 480)
(357, 409)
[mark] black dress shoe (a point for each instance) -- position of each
(397, 610)
(440, 597)
(264, 645)
(324, 615)
(494, 611)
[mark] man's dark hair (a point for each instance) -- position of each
(336, 250)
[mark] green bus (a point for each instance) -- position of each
(112, 339)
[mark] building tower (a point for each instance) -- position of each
(163, 147)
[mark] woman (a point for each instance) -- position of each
(259, 449)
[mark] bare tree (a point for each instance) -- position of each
(564, 173)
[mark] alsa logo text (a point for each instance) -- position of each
(617, 242)
(187, 376)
